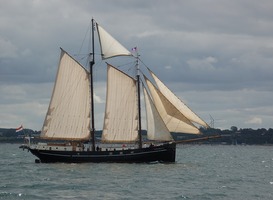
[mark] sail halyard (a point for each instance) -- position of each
(68, 116)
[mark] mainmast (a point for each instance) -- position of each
(92, 62)
(139, 104)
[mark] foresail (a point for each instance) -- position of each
(68, 115)
(110, 47)
(181, 106)
(121, 116)
(172, 117)
(156, 128)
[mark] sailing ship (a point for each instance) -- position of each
(69, 125)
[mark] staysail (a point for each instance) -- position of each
(121, 114)
(173, 118)
(68, 115)
(110, 47)
(181, 106)
(156, 128)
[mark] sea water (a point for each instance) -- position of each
(201, 172)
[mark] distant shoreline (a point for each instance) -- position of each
(21, 141)
(234, 136)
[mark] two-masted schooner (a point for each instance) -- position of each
(69, 125)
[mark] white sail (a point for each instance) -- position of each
(68, 115)
(181, 106)
(121, 114)
(172, 117)
(156, 128)
(110, 47)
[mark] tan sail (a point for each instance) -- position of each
(181, 106)
(172, 117)
(156, 128)
(110, 47)
(68, 115)
(121, 116)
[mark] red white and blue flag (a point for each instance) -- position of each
(20, 128)
(134, 49)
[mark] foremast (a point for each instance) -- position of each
(92, 62)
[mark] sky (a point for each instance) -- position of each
(215, 55)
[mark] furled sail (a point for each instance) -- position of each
(181, 106)
(121, 116)
(110, 47)
(68, 115)
(172, 117)
(156, 128)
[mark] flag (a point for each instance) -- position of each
(20, 128)
(134, 49)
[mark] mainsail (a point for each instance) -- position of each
(110, 47)
(173, 118)
(68, 115)
(121, 114)
(182, 107)
(156, 128)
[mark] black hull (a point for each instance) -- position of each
(161, 153)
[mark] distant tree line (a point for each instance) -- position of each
(10, 135)
(234, 135)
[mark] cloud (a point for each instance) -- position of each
(24, 104)
(202, 64)
(7, 49)
(98, 99)
(218, 58)
(168, 67)
(255, 120)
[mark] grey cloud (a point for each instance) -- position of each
(215, 54)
